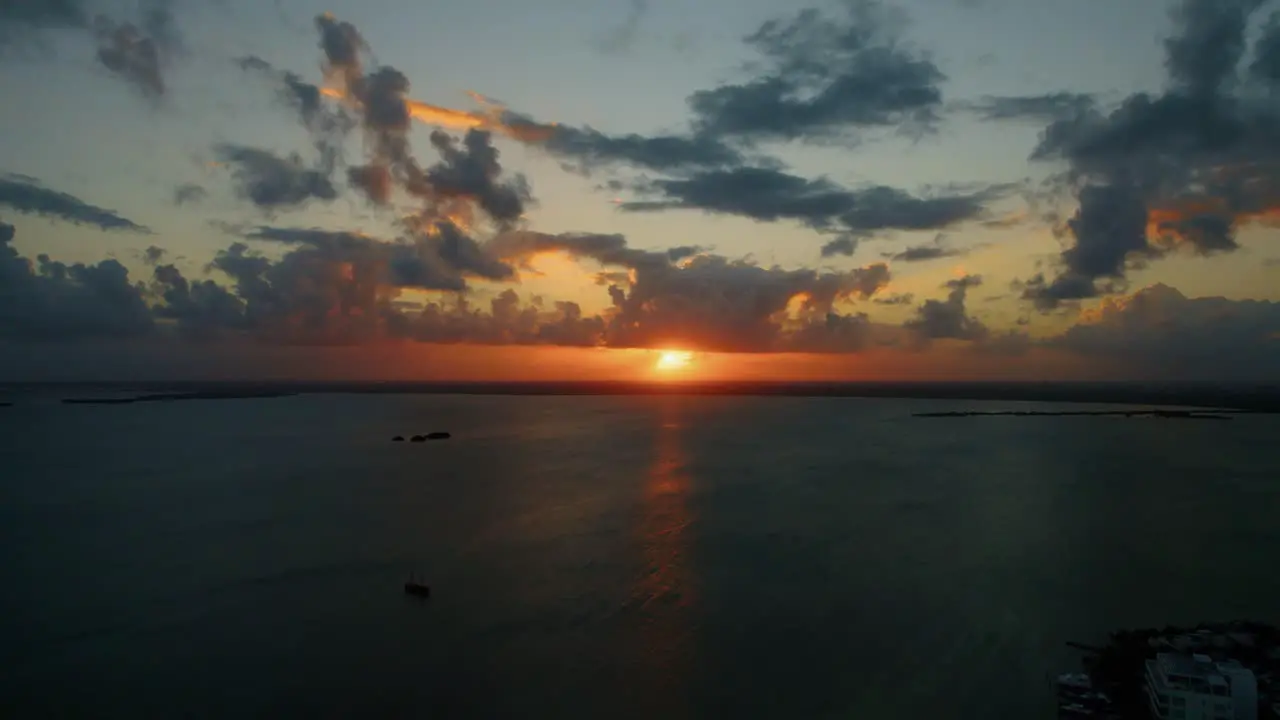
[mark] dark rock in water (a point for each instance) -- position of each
(417, 438)
(438, 436)
(398, 438)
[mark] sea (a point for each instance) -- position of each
(606, 557)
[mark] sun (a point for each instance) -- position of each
(670, 360)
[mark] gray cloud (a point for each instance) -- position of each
(272, 182)
(1043, 108)
(472, 171)
(896, 299)
(923, 253)
(49, 300)
(1182, 169)
(329, 124)
(770, 195)
(1160, 333)
(20, 18)
(188, 193)
(826, 76)
(1266, 53)
(663, 153)
(138, 52)
(26, 195)
(620, 38)
(948, 319)
(846, 246)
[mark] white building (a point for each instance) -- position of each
(1182, 687)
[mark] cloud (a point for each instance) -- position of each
(49, 300)
(188, 193)
(468, 177)
(948, 319)
(26, 195)
(826, 77)
(153, 255)
(472, 171)
(709, 302)
(1179, 170)
(923, 253)
(272, 182)
(139, 51)
(846, 246)
(771, 195)
(329, 124)
(1158, 332)
(896, 299)
(663, 153)
(1266, 52)
(1044, 108)
(20, 18)
(620, 38)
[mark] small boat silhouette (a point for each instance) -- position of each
(416, 587)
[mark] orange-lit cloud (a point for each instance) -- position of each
(491, 120)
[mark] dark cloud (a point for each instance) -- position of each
(620, 38)
(1201, 59)
(1182, 169)
(846, 246)
(1158, 332)
(188, 193)
(439, 261)
(770, 195)
(50, 301)
(200, 309)
(272, 182)
(937, 250)
(1266, 52)
(26, 195)
(138, 52)
(342, 45)
(826, 76)
(329, 124)
(19, 18)
(664, 153)
(710, 302)
(153, 255)
(472, 171)
(1043, 108)
(896, 299)
(948, 319)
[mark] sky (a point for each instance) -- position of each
(764, 190)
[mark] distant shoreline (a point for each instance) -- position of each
(1255, 399)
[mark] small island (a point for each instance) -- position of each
(173, 397)
(1162, 414)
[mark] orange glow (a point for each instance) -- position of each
(672, 360)
(490, 120)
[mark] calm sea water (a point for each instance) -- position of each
(605, 557)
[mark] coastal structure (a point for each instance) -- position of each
(1219, 670)
(1195, 687)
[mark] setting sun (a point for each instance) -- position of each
(673, 360)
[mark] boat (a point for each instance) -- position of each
(416, 587)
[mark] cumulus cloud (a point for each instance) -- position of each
(1159, 332)
(826, 76)
(139, 51)
(26, 195)
(52, 300)
(272, 182)
(948, 319)
(188, 193)
(1181, 169)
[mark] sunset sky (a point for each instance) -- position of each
(861, 190)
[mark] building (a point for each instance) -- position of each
(1194, 687)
